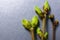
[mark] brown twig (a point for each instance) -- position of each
(55, 23)
(44, 24)
(53, 32)
(32, 33)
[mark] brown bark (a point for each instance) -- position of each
(53, 32)
(43, 26)
(32, 33)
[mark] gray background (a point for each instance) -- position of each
(13, 11)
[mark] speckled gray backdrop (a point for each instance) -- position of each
(13, 11)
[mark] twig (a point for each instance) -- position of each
(32, 33)
(53, 33)
(55, 23)
(44, 25)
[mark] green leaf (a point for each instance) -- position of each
(34, 21)
(39, 32)
(26, 24)
(46, 6)
(46, 35)
(38, 10)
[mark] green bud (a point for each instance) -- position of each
(38, 10)
(51, 16)
(26, 24)
(34, 21)
(46, 35)
(46, 6)
(39, 32)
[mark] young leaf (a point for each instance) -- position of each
(26, 24)
(46, 6)
(39, 32)
(46, 35)
(34, 21)
(38, 10)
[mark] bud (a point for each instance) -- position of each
(51, 16)
(39, 32)
(26, 24)
(38, 10)
(34, 21)
(46, 6)
(46, 35)
(56, 22)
